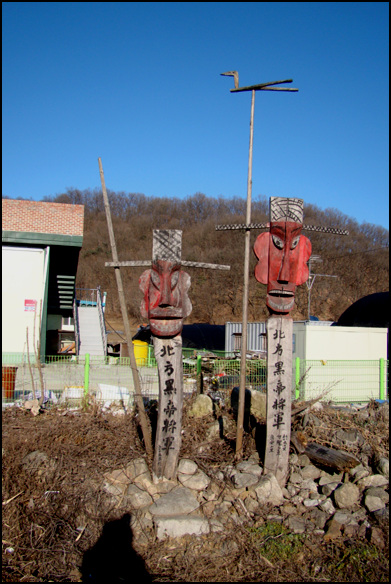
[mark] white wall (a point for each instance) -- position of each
(343, 363)
(23, 279)
(339, 342)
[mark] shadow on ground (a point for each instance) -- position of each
(113, 559)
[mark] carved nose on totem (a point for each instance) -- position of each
(165, 296)
(284, 274)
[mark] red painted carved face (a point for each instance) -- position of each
(283, 254)
(165, 302)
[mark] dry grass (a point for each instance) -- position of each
(58, 525)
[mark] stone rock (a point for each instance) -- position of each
(378, 492)
(215, 430)
(179, 501)
(296, 524)
(311, 472)
(318, 517)
(311, 502)
(115, 490)
(118, 477)
(343, 517)
(309, 485)
(187, 466)
(144, 481)
(179, 525)
(351, 530)
(251, 467)
(352, 437)
(274, 519)
(346, 496)
(288, 509)
(258, 404)
(216, 526)
(295, 478)
(332, 529)
(383, 467)
(382, 515)
(376, 480)
(137, 497)
(269, 491)
(304, 460)
(201, 407)
(327, 506)
(373, 503)
(360, 473)
(292, 490)
(293, 459)
(137, 467)
(196, 482)
(326, 479)
(160, 486)
(329, 488)
(377, 538)
(243, 479)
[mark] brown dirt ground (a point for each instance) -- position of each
(57, 524)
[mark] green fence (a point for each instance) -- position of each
(69, 378)
(341, 381)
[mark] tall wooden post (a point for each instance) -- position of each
(136, 381)
(243, 354)
(242, 385)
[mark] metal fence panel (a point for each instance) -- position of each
(108, 379)
(343, 381)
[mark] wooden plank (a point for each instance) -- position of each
(330, 457)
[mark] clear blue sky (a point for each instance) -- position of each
(138, 84)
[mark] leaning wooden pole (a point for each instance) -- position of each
(136, 381)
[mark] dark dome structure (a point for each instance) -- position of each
(370, 311)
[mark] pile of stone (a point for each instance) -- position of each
(198, 502)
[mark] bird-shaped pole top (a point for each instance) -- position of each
(259, 86)
(233, 74)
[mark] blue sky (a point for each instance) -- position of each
(138, 84)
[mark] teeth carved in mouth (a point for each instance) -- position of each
(280, 300)
(166, 327)
(280, 293)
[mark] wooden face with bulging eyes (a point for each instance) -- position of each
(166, 302)
(283, 254)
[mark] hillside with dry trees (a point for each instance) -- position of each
(360, 260)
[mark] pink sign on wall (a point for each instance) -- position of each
(30, 305)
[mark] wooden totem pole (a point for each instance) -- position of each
(165, 304)
(282, 255)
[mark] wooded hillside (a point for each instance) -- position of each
(360, 260)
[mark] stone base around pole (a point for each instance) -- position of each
(168, 355)
(279, 390)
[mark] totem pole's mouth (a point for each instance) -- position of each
(280, 300)
(165, 327)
